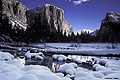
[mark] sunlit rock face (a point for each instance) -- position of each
(110, 27)
(49, 15)
(15, 12)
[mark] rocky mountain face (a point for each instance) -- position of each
(110, 27)
(51, 16)
(15, 12)
(20, 23)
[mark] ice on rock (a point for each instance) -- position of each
(98, 74)
(68, 69)
(28, 77)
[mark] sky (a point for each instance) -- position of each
(81, 14)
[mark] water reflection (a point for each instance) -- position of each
(48, 62)
(55, 65)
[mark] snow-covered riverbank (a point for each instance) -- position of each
(12, 68)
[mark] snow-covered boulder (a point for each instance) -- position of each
(39, 57)
(98, 74)
(80, 69)
(98, 68)
(30, 55)
(81, 78)
(5, 56)
(28, 77)
(68, 69)
(74, 65)
(81, 75)
(114, 62)
(106, 72)
(59, 57)
(13, 62)
(96, 65)
(12, 70)
(102, 61)
(35, 67)
(60, 74)
(114, 67)
(96, 59)
(51, 76)
(113, 75)
(10, 76)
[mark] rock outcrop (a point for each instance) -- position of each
(15, 12)
(49, 15)
(110, 27)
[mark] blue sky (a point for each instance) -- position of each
(81, 14)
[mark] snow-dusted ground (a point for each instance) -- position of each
(83, 48)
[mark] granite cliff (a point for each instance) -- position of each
(15, 12)
(19, 22)
(110, 27)
(49, 15)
